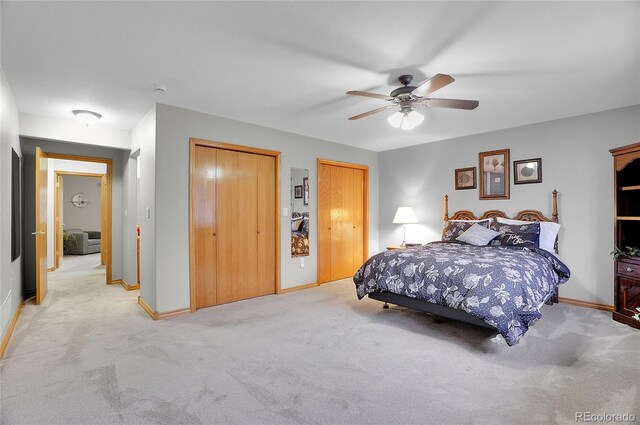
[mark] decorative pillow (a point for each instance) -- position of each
(517, 234)
(454, 228)
(295, 223)
(477, 235)
(548, 232)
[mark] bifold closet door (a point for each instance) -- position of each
(237, 226)
(266, 208)
(324, 222)
(358, 220)
(342, 202)
(204, 220)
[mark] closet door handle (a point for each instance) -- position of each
(258, 231)
(329, 228)
(354, 227)
(214, 233)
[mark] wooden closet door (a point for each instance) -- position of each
(358, 219)
(204, 220)
(266, 206)
(228, 261)
(246, 230)
(341, 222)
(324, 222)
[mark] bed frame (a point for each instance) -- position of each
(451, 313)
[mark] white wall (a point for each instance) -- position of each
(143, 139)
(64, 165)
(10, 271)
(174, 127)
(129, 219)
(71, 130)
(575, 161)
(89, 216)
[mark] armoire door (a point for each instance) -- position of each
(341, 220)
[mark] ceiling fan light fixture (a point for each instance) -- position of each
(406, 120)
(86, 117)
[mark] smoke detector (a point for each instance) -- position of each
(159, 88)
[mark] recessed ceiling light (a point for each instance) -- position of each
(86, 117)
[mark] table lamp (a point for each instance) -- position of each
(404, 216)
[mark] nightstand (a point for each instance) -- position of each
(394, 247)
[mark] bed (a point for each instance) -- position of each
(495, 286)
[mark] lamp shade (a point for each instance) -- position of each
(405, 215)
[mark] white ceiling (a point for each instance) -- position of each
(288, 65)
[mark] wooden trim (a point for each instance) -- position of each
(232, 147)
(153, 314)
(603, 307)
(51, 269)
(12, 324)
(365, 196)
(298, 288)
(343, 164)
(78, 173)
(107, 205)
(171, 313)
(193, 142)
(125, 285)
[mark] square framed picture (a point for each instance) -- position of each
(465, 178)
(494, 174)
(527, 171)
(297, 192)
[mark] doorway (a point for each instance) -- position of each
(49, 187)
(343, 219)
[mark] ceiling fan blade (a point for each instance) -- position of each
(451, 103)
(436, 82)
(374, 111)
(367, 94)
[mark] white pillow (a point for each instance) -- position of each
(548, 232)
(478, 235)
(295, 223)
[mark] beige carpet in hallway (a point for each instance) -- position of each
(90, 355)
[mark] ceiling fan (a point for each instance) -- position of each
(406, 97)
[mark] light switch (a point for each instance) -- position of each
(148, 212)
(285, 211)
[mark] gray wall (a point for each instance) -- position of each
(28, 146)
(129, 219)
(575, 161)
(10, 271)
(89, 216)
(174, 127)
(143, 144)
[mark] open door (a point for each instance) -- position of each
(41, 225)
(59, 220)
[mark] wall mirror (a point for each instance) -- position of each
(299, 212)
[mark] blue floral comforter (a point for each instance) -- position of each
(504, 286)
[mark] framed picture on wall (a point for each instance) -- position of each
(527, 171)
(297, 192)
(465, 178)
(494, 174)
(305, 191)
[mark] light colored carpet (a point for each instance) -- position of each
(319, 356)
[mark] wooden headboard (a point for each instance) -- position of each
(525, 215)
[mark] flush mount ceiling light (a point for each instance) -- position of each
(406, 119)
(87, 117)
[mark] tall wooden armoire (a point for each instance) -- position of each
(626, 161)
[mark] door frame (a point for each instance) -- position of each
(107, 203)
(56, 205)
(193, 142)
(365, 209)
